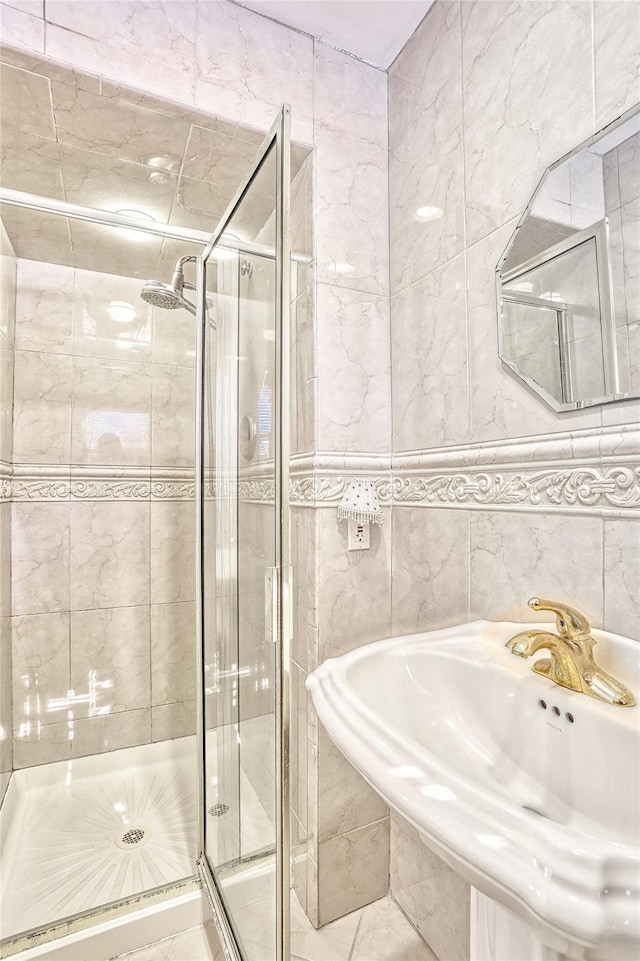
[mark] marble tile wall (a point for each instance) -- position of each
(458, 146)
(7, 352)
(102, 597)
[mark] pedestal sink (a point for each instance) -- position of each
(527, 789)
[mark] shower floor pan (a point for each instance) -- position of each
(79, 834)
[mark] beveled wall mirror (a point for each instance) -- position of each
(568, 282)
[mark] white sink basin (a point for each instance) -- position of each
(536, 810)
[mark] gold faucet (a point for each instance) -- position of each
(571, 663)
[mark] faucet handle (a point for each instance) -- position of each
(571, 624)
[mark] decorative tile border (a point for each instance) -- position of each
(594, 472)
(41, 483)
(614, 490)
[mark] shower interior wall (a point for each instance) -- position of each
(102, 553)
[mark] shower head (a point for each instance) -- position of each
(169, 296)
(161, 295)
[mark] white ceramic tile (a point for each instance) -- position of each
(109, 554)
(354, 375)
(384, 934)
(38, 236)
(173, 416)
(41, 744)
(110, 660)
(345, 800)
(111, 412)
(31, 163)
(303, 397)
(40, 558)
(5, 562)
(121, 186)
(174, 336)
(114, 128)
(353, 870)
(516, 556)
(42, 407)
(34, 8)
(6, 399)
(148, 45)
(196, 944)
(218, 155)
(256, 65)
(429, 358)
(622, 576)
(95, 331)
(8, 277)
(299, 758)
(617, 58)
(21, 28)
(6, 710)
(44, 307)
(96, 246)
(628, 160)
(173, 720)
(351, 211)
(110, 732)
(630, 218)
(433, 896)
(353, 588)
(425, 149)
(521, 114)
(500, 404)
(349, 95)
(40, 668)
(173, 663)
(172, 547)
(430, 573)
(302, 223)
(26, 100)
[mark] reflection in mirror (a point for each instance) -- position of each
(569, 281)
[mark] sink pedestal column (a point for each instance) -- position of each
(498, 934)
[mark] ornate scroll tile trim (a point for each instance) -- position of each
(604, 490)
(43, 483)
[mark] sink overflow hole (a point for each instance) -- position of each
(556, 710)
(218, 810)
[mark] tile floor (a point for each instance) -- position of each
(378, 932)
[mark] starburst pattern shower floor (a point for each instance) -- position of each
(90, 831)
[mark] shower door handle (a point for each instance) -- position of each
(271, 575)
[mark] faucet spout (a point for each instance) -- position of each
(570, 663)
(559, 667)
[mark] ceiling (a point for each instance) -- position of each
(88, 144)
(374, 30)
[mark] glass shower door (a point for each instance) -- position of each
(243, 569)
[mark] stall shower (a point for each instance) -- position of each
(130, 521)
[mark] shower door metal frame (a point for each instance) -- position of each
(279, 139)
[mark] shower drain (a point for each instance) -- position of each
(132, 838)
(218, 810)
